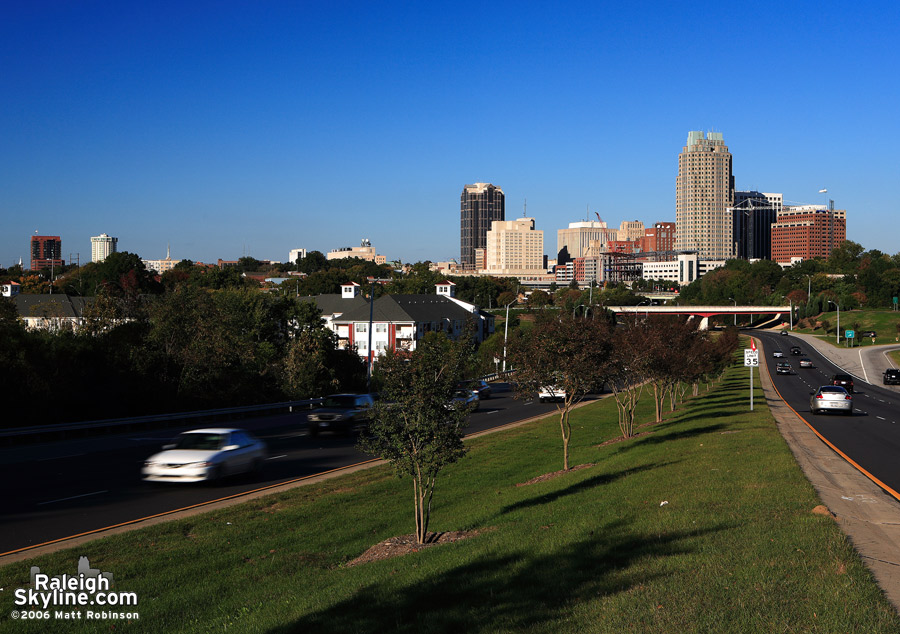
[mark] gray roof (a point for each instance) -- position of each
(59, 305)
(334, 304)
(408, 308)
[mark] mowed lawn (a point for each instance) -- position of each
(704, 524)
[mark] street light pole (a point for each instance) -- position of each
(838, 332)
(370, 357)
(735, 309)
(506, 330)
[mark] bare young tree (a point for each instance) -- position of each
(630, 369)
(562, 356)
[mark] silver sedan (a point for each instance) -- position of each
(206, 454)
(831, 398)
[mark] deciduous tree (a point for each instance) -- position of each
(562, 354)
(412, 427)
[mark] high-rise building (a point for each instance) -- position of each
(752, 218)
(479, 205)
(102, 246)
(704, 190)
(576, 240)
(46, 252)
(514, 247)
(660, 238)
(808, 231)
(630, 230)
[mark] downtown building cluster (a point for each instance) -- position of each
(714, 222)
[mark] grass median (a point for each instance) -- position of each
(702, 524)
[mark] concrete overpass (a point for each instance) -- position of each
(704, 312)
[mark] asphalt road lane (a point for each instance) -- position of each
(870, 437)
(69, 488)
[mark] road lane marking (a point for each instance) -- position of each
(284, 455)
(74, 497)
(880, 418)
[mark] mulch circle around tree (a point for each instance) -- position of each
(405, 544)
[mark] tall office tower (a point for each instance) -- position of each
(46, 252)
(102, 246)
(514, 247)
(479, 205)
(704, 190)
(752, 218)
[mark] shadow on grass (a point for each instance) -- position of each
(589, 483)
(514, 591)
(656, 439)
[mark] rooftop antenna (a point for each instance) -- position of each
(525, 208)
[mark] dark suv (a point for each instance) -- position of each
(844, 380)
(795, 350)
(891, 376)
(341, 413)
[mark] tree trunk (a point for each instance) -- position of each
(566, 431)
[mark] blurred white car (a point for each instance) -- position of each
(551, 393)
(206, 454)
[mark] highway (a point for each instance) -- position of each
(59, 490)
(870, 437)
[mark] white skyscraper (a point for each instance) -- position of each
(102, 246)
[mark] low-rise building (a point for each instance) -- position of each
(400, 321)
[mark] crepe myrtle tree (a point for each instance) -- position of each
(562, 354)
(414, 426)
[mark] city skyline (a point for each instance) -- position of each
(253, 131)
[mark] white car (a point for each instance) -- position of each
(551, 393)
(206, 454)
(778, 354)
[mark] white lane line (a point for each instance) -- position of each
(74, 497)
(863, 366)
(74, 455)
(493, 411)
(284, 455)
(880, 418)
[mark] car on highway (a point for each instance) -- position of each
(341, 413)
(206, 455)
(783, 367)
(891, 376)
(831, 398)
(795, 350)
(778, 354)
(482, 389)
(844, 381)
(551, 393)
(806, 362)
(784, 333)
(868, 333)
(464, 398)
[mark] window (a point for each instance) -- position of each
(381, 327)
(362, 327)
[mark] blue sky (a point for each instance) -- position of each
(250, 128)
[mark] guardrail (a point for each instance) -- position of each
(95, 427)
(15, 435)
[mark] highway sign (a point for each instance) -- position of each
(849, 334)
(751, 357)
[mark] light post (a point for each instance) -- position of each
(791, 304)
(647, 312)
(735, 309)
(838, 332)
(370, 356)
(506, 330)
(808, 288)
